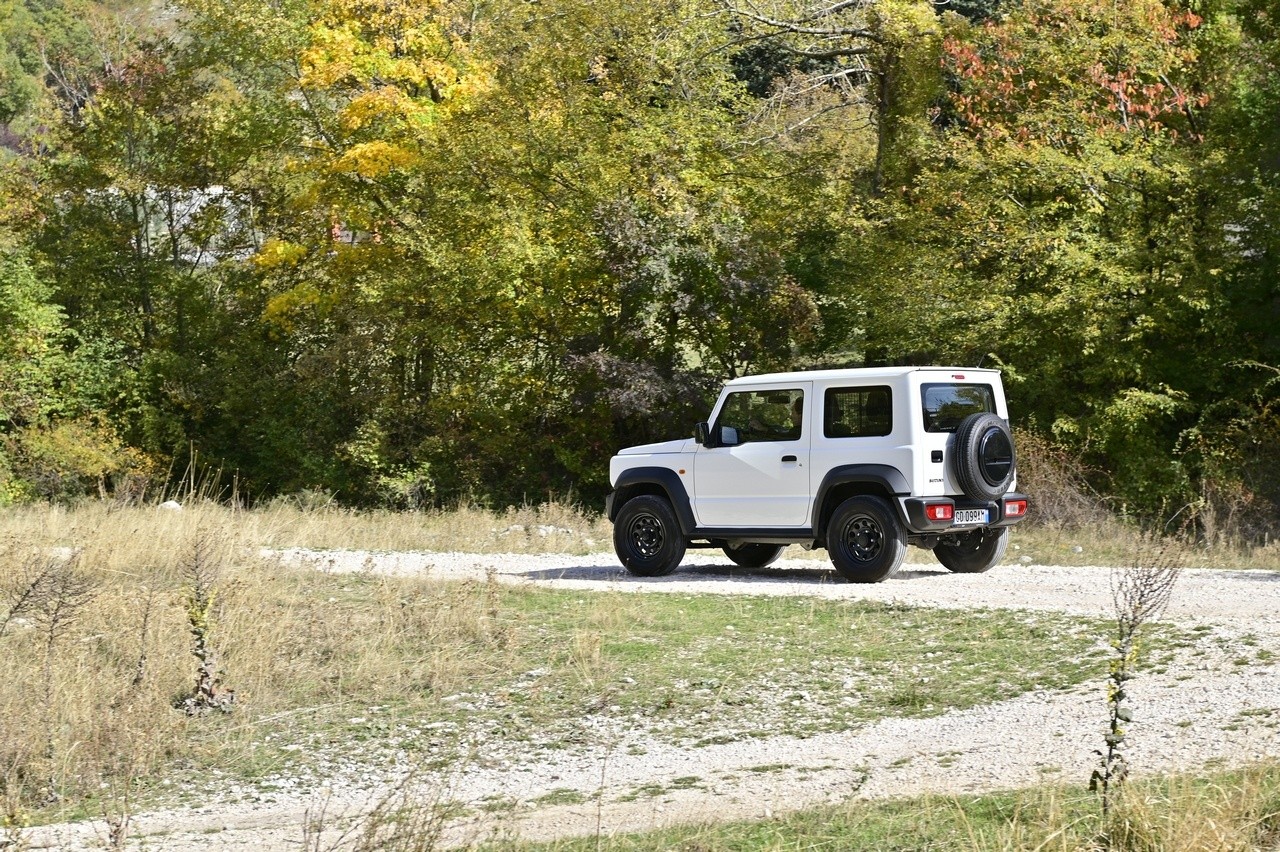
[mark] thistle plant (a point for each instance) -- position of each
(202, 575)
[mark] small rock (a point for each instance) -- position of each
(170, 506)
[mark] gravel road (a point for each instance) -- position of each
(1217, 703)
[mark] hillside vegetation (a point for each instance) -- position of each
(408, 253)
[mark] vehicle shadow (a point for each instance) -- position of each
(727, 571)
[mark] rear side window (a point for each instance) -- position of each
(857, 412)
(945, 405)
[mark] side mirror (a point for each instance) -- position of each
(723, 436)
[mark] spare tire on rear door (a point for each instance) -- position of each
(984, 460)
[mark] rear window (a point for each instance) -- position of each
(945, 405)
(857, 412)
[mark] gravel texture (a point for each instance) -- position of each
(1216, 703)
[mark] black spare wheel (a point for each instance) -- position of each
(984, 459)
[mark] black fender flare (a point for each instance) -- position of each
(884, 477)
(653, 480)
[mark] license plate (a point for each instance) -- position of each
(971, 516)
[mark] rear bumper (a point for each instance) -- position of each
(998, 511)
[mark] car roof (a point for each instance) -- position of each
(858, 373)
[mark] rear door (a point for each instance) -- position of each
(946, 400)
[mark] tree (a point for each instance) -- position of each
(1064, 224)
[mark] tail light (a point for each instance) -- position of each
(939, 511)
(1015, 508)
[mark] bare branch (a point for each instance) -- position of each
(833, 53)
(798, 27)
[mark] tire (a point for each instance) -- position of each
(647, 537)
(866, 542)
(974, 552)
(984, 457)
(754, 555)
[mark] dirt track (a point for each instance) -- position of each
(1218, 702)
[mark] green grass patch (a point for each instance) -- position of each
(1228, 811)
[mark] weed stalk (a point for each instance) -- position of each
(55, 602)
(202, 574)
(1140, 592)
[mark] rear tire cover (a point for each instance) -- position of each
(984, 457)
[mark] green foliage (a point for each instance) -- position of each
(52, 446)
(410, 252)
(68, 459)
(1067, 222)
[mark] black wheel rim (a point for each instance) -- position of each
(995, 456)
(646, 536)
(863, 539)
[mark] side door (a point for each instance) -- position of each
(760, 478)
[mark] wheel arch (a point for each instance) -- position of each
(841, 483)
(658, 482)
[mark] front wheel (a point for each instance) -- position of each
(753, 555)
(865, 540)
(974, 552)
(647, 537)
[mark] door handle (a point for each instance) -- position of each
(789, 458)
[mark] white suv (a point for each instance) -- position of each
(862, 462)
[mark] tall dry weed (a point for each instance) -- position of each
(1062, 496)
(1140, 593)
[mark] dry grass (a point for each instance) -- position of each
(545, 528)
(88, 700)
(1230, 812)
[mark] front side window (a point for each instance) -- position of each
(763, 415)
(857, 412)
(945, 405)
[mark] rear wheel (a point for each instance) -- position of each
(753, 555)
(647, 537)
(974, 552)
(865, 540)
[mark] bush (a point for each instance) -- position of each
(71, 459)
(1058, 483)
